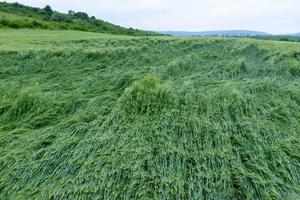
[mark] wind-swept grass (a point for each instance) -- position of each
(88, 116)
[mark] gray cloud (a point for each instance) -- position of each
(275, 16)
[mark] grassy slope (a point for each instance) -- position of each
(20, 16)
(94, 116)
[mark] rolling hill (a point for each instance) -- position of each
(15, 15)
(216, 33)
(296, 34)
(98, 116)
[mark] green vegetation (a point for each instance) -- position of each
(15, 15)
(95, 116)
(284, 38)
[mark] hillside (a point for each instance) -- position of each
(97, 116)
(231, 33)
(15, 15)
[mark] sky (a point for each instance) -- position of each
(272, 16)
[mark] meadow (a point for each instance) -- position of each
(96, 116)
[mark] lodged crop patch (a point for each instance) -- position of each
(91, 116)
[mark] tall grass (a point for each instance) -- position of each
(106, 117)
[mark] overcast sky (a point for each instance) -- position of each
(273, 16)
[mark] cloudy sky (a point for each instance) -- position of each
(273, 16)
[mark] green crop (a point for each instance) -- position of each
(94, 116)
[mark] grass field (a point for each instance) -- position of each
(95, 116)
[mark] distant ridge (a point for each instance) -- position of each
(295, 34)
(231, 33)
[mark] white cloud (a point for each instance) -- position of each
(275, 16)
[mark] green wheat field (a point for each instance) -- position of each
(96, 116)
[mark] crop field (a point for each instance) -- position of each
(96, 116)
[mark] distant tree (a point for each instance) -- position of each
(284, 39)
(42, 12)
(35, 10)
(130, 31)
(16, 5)
(59, 17)
(36, 24)
(82, 15)
(71, 12)
(48, 10)
(96, 22)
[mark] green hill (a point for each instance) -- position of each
(96, 116)
(15, 15)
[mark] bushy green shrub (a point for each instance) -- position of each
(48, 10)
(56, 16)
(82, 16)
